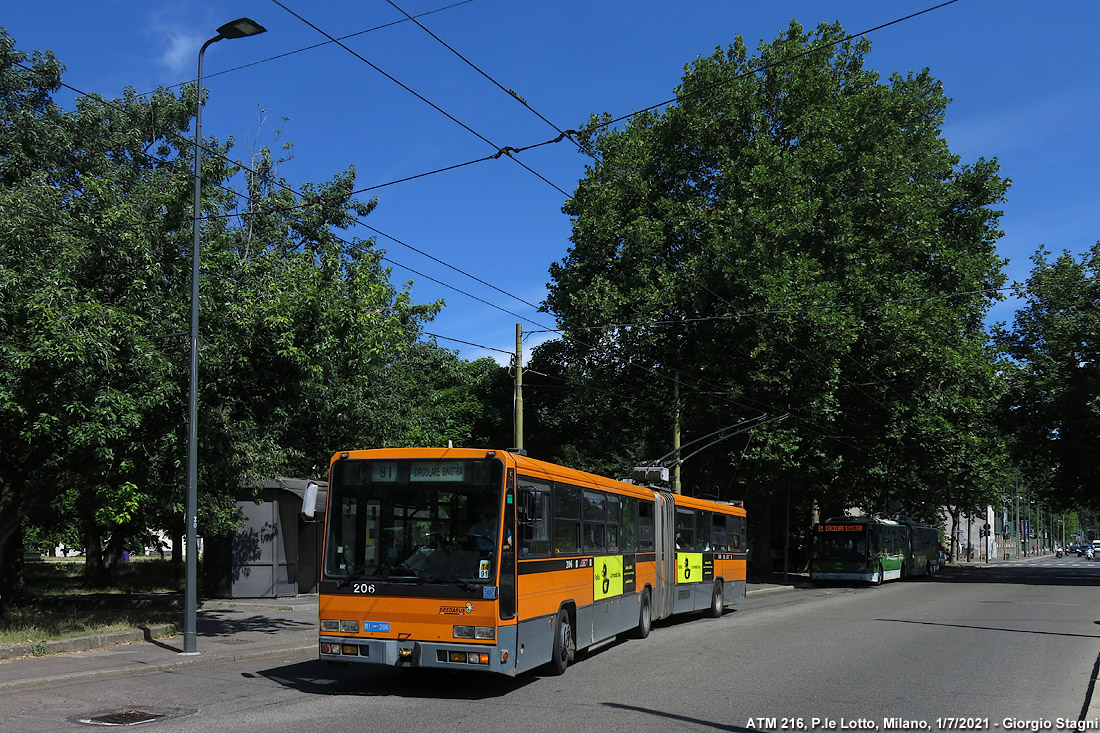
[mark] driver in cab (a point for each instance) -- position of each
(484, 530)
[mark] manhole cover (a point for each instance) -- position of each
(130, 717)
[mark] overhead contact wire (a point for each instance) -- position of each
(424, 99)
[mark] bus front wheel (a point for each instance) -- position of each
(563, 644)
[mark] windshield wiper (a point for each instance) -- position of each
(358, 573)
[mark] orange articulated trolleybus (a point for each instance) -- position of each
(492, 561)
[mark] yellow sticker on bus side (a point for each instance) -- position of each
(689, 567)
(607, 577)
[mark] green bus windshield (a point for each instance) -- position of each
(851, 544)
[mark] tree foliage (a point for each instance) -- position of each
(795, 236)
(1052, 404)
(303, 338)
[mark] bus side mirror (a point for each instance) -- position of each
(309, 501)
(529, 509)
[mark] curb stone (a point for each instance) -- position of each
(84, 643)
(195, 661)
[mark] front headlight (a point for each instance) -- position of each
(475, 632)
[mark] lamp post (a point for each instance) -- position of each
(240, 28)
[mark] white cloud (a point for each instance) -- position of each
(175, 30)
(180, 50)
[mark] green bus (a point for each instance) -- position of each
(873, 549)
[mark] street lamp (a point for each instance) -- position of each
(239, 28)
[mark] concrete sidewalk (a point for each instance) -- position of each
(228, 631)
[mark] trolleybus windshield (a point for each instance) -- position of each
(417, 520)
(841, 542)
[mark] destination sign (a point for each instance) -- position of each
(437, 471)
(840, 528)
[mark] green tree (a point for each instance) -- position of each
(1052, 406)
(82, 292)
(428, 396)
(299, 322)
(794, 236)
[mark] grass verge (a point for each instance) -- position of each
(55, 605)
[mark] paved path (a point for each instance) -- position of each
(227, 631)
(234, 630)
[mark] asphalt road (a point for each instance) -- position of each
(1013, 646)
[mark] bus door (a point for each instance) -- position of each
(507, 579)
(664, 545)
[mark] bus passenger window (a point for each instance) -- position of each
(645, 526)
(628, 534)
(612, 508)
(534, 531)
(565, 536)
(567, 524)
(736, 527)
(685, 529)
(718, 537)
(595, 538)
(702, 534)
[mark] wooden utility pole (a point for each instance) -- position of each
(676, 435)
(519, 387)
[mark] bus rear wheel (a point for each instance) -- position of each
(878, 576)
(563, 644)
(717, 601)
(645, 616)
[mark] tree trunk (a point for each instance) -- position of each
(175, 533)
(97, 573)
(761, 532)
(11, 553)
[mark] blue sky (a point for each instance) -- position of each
(1023, 77)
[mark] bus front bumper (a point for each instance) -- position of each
(868, 577)
(418, 654)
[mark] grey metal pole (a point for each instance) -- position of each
(240, 28)
(1016, 505)
(191, 518)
